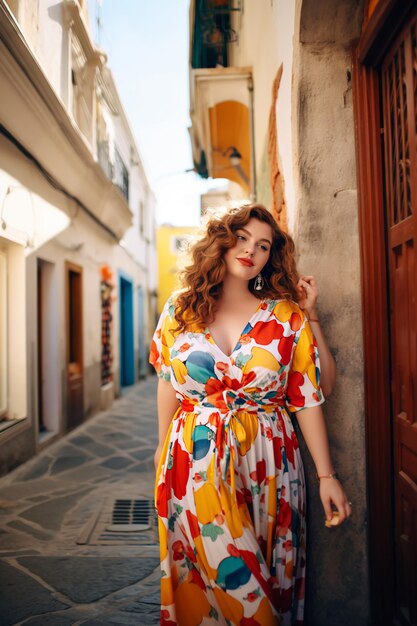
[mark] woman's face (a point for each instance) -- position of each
(251, 252)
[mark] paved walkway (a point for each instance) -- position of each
(69, 554)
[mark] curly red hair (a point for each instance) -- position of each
(202, 279)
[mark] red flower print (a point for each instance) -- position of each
(265, 332)
(196, 578)
(154, 356)
(289, 447)
(295, 321)
(285, 515)
(187, 405)
(251, 560)
(184, 347)
(190, 553)
(232, 550)
(165, 621)
(248, 378)
(276, 441)
(251, 597)
(243, 496)
(222, 367)
(197, 477)
(294, 440)
(249, 621)
(219, 519)
(178, 550)
(285, 349)
(162, 497)
(213, 386)
(245, 339)
(193, 524)
(214, 419)
(294, 394)
(261, 471)
(176, 478)
(268, 432)
(231, 383)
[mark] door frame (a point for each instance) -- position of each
(70, 421)
(367, 53)
(142, 362)
(48, 381)
(127, 373)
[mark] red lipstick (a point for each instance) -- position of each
(246, 261)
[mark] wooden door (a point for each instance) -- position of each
(75, 386)
(127, 354)
(399, 107)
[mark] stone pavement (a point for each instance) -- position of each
(69, 553)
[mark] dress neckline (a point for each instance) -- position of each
(213, 342)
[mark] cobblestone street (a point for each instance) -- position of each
(69, 553)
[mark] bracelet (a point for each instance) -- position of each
(312, 319)
(333, 475)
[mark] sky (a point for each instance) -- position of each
(147, 43)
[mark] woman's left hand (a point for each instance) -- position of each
(332, 492)
(307, 293)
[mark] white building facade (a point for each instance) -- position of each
(77, 236)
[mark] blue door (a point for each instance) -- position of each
(127, 352)
(142, 365)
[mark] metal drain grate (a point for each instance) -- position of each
(122, 520)
(130, 516)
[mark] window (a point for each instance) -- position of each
(179, 244)
(3, 334)
(141, 217)
(121, 175)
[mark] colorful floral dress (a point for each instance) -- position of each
(230, 490)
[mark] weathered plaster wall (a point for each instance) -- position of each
(327, 239)
(271, 23)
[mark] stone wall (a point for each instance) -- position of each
(327, 238)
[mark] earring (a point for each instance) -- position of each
(259, 282)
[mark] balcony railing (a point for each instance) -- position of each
(103, 157)
(212, 33)
(117, 172)
(121, 176)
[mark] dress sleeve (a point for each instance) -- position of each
(303, 385)
(162, 341)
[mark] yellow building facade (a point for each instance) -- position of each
(170, 242)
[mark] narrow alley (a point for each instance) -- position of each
(72, 550)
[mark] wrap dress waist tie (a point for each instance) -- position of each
(237, 429)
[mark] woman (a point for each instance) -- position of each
(235, 354)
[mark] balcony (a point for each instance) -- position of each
(121, 175)
(117, 172)
(103, 157)
(212, 33)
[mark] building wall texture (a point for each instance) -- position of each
(42, 141)
(327, 238)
